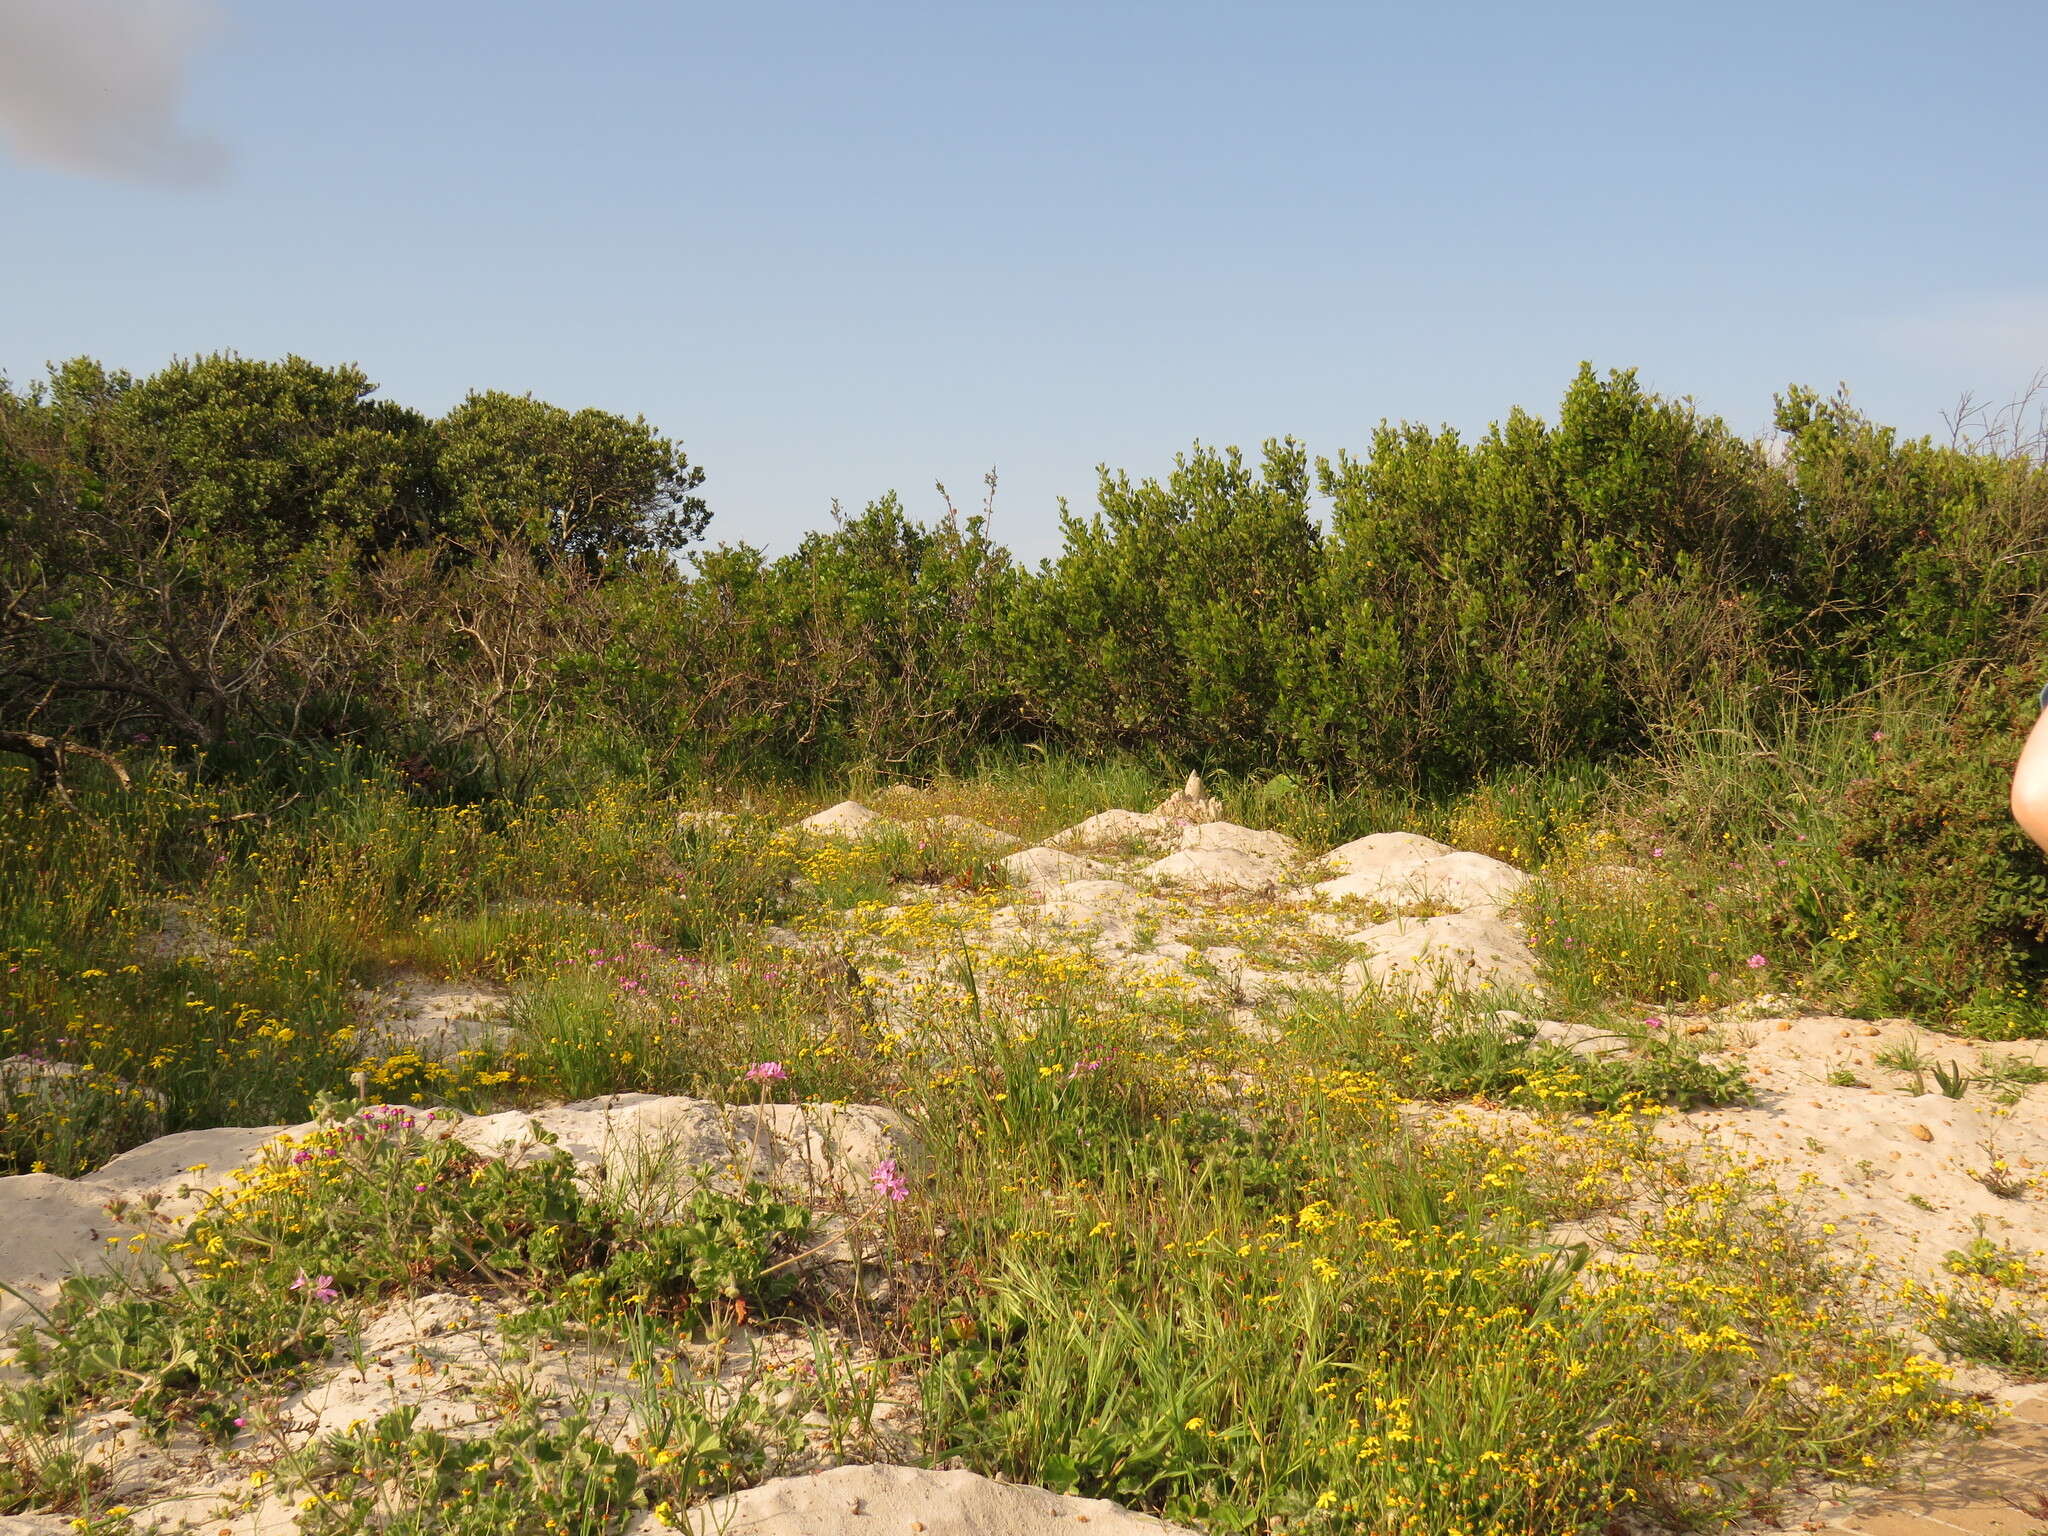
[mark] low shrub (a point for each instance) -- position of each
(1979, 1330)
(381, 1203)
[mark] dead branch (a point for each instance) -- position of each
(48, 755)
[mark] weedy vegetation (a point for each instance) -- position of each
(313, 692)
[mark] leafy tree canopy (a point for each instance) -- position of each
(582, 485)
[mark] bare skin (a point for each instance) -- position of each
(2030, 784)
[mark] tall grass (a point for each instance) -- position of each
(1303, 1314)
(1860, 856)
(203, 943)
(200, 938)
(200, 942)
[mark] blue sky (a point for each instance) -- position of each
(842, 248)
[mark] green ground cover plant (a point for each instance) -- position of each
(527, 1477)
(1203, 1274)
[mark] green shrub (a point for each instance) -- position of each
(1540, 594)
(1940, 870)
(1168, 622)
(1980, 1331)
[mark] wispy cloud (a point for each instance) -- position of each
(2001, 336)
(96, 85)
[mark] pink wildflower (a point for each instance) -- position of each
(888, 1180)
(767, 1072)
(1757, 962)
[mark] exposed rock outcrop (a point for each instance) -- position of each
(1470, 952)
(849, 818)
(1045, 869)
(1456, 880)
(865, 1501)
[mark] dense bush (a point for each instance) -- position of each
(1945, 877)
(1540, 594)
(232, 552)
(1171, 622)
(872, 645)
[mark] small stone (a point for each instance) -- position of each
(1919, 1133)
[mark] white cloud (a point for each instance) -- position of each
(95, 86)
(2002, 337)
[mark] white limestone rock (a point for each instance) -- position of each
(1108, 905)
(1192, 804)
(666, 1143)
(868, 1500)
(1117, 830)
(1215, 869)
(1376, 851)
(50, 1229)
(1899, 1177)
(1457, 880)
(1222, 856)
(653, 1147)
(172, 1175)
(849, 818)
(1275, 846)
(1043, 869)
(1469, 952)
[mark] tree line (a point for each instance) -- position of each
(266, 559)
